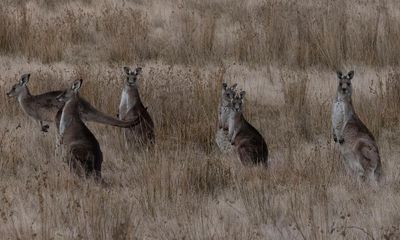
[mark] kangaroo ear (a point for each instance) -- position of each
(77, 85)
(138, 70)
(339, 74)
(25, 79)
(224, 86)
(127, 70)
(234, 86)
(242, 93)
(350, 75)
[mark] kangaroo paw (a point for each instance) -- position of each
(45, 128)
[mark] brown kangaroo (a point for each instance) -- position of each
(356, 143)
(45, 107)
(131, 108)
(248, 141)
(83, 151)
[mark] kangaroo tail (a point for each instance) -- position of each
(91, 114)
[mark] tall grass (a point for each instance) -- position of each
(327, 33)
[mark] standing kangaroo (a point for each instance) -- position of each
(83, 151)
(45, 107)
(248, 141)
(131, 108)
(357, 144)
(221, 136)
(224, 107)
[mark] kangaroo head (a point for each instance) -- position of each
(70, 92)
(132, 76)
(20, 86)
(344, 87)
(237, 102)
(228, 93)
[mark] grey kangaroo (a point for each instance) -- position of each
(131, 108)
(247, 140)
(45, 108)
(221, 136)
(83, 152)
(356, 143)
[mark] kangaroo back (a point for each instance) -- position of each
(85, 160)
(251, 145)
(84, 153)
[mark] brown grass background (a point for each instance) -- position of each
(283, 53)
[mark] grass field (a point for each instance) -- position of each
(283, 53)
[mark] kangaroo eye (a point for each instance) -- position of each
(340, 84)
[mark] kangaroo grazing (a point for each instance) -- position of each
(131, 108)
(221, 136)
(248, 141)
(356, 143)
(45, 107)
(83, 151)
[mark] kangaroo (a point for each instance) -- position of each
(83, 151)
(45, 107)
(131, 108)
(221, 136)
(356, 143)
(224, 107)
(248, 141)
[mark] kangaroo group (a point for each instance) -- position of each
(69, 111)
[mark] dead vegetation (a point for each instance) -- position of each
(302, 33)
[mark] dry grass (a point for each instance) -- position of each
(301, 33)
(280, 52)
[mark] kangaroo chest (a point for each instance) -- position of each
(128, 101)
(26, 108)
(338, 116)
(123, 106)
(65, 122)
(225, 116)
(233, 121)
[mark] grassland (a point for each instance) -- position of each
(283, 53)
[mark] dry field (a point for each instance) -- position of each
(283, 53)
